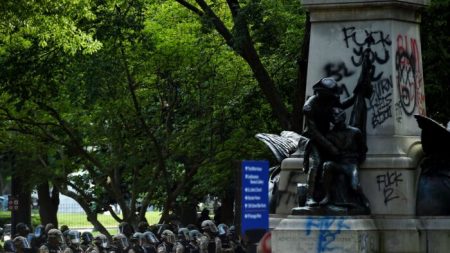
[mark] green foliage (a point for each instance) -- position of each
(5, 218)
(436, 59)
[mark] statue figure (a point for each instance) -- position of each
(433, 193)
(331, 149)
(318, 118)
(347, 190)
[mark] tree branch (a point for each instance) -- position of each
(190, 7)
(218, 23)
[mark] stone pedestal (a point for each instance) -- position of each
(435, 234)
(340, 31)
(389, 29)
(399, 235)
(321, 234)
(359, 234)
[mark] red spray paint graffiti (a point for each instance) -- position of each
(409, 76)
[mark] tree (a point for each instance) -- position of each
(436, 59)
(248, 20)
(130, 123)
(140, 103)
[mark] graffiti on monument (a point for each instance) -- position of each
(338, 71)
(377, 44)
(387, 183)
(329, 228)
(381, 101)
(409, 76)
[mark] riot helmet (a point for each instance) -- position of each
(209, 226)
(183, 234)
(151, 238)
(120, 241)
(22, 229)
(54, 236)
(48, 227)
(126, 229)
(223, 230)
(86, 238)
(73, 237)
(137, 238)
(195, 235)
(101, 241)
(168, 236)
(21, 242)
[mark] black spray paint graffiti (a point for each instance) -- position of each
(381, 101)
(387, 183)
(376, 45)
(329, 228)
(338, 71)
(364, 43)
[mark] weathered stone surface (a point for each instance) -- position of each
(320, 234)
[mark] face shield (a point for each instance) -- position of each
(120, 241)
(208, 225)
(138, 238)
(223, 230)
(87, 238)
(151, 238)
(168, 236)
(101, 241)
(194, 235)
(74, 237)
(183, 234)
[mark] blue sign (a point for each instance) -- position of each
(255, 198)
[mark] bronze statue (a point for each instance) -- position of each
(318, 118)
(433, 193)
(342, 171)
(331, 149)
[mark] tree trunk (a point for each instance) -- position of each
(22, 211)
(91, 215)
(48, 204)
(300, 92)
(266, 84)
(227, 207)
(187, 212)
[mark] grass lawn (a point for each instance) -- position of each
(78, 220)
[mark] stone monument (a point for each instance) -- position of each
(342, 32)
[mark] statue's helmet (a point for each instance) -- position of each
(328, 87)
